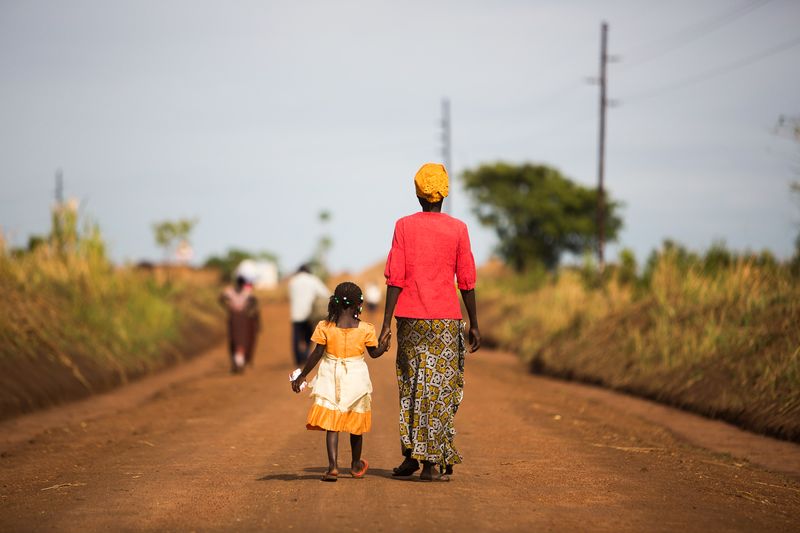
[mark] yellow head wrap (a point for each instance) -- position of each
(431, 182)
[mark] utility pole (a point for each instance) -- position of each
(59, 192)
(601, 156)
(446, 149)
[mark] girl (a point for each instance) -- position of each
(342, 388)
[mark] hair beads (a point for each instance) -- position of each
(346, 295)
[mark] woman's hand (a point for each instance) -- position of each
(474, 339)
(385, 342)
(385, 338)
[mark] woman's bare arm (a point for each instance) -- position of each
(392, 293)
(472, 312)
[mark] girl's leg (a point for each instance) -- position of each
(332, 442)
(356, 443)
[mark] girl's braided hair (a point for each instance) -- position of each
(346, 296)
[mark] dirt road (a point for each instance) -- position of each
(218, 452)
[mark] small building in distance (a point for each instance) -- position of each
(262, 273)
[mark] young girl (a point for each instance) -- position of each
(342, 389)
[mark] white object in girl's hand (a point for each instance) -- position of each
(295, 375)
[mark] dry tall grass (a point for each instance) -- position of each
(722, 341)
(71, 324)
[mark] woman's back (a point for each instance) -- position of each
(428, 250)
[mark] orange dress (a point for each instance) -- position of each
(342, 390)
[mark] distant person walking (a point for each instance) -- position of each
(430, 250)
(304, 289)
(244, 322)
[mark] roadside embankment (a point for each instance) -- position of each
(717, 337)
(72, 325)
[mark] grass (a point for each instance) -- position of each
(71, 324)
(718, 338)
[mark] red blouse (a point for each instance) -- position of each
(429, 251)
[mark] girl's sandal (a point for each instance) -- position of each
(330, 476)
(358, 474)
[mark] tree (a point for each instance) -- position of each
(169, 234)
(537, 213)
(319, 259)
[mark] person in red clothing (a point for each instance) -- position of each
(244, 322)
(430, 256)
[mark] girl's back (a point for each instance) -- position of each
(345, 342)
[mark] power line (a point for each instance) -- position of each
(563, 89)
(691, 33)
(659, 47)
(714, 72)
(688, 34)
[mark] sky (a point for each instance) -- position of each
(255, 116)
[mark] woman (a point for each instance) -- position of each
(429, 250)
(244, 322)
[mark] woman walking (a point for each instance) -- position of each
(429, 251)
(244, 322)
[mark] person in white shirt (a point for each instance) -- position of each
(304, 288)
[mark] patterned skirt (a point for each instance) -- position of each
(430, 378)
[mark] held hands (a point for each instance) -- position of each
(385, 342)
(385, 339)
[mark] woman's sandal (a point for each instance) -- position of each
(435, 476)
(358, 474)
(407, 468)
(330, 476)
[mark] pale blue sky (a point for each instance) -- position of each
(253, 116)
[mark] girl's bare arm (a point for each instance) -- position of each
(312, 361)
(381, 348)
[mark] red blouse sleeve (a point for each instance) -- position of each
(395, 272)
(465, 262)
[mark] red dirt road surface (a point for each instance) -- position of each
(196, 449)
